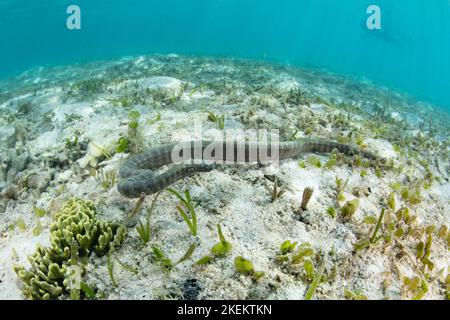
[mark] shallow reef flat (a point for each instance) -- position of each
(317, 226)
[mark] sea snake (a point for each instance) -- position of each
(138, 176)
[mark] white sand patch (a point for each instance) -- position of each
(46, 142)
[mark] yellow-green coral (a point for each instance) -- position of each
(75, 233)
(77, 220)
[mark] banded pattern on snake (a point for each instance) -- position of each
(138, 176)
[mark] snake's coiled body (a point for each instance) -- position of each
(138, 176)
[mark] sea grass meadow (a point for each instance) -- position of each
(336, 114)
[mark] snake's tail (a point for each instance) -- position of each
(327, 146)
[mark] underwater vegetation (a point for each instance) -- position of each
(218, 120)
(359, 228)
(305, 263)
(167, 262)
(189, 206)
(398, 226)
(221, 249)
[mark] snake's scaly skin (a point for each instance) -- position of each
(137, 175)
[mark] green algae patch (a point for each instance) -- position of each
(243, 266)
(221, 249)
(349, 209)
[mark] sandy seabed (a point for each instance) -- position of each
(59, 135)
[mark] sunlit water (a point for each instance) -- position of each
(411, 52)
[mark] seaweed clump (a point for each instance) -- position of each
(74, 235)
(350, 208)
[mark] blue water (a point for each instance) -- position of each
(410, 54)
